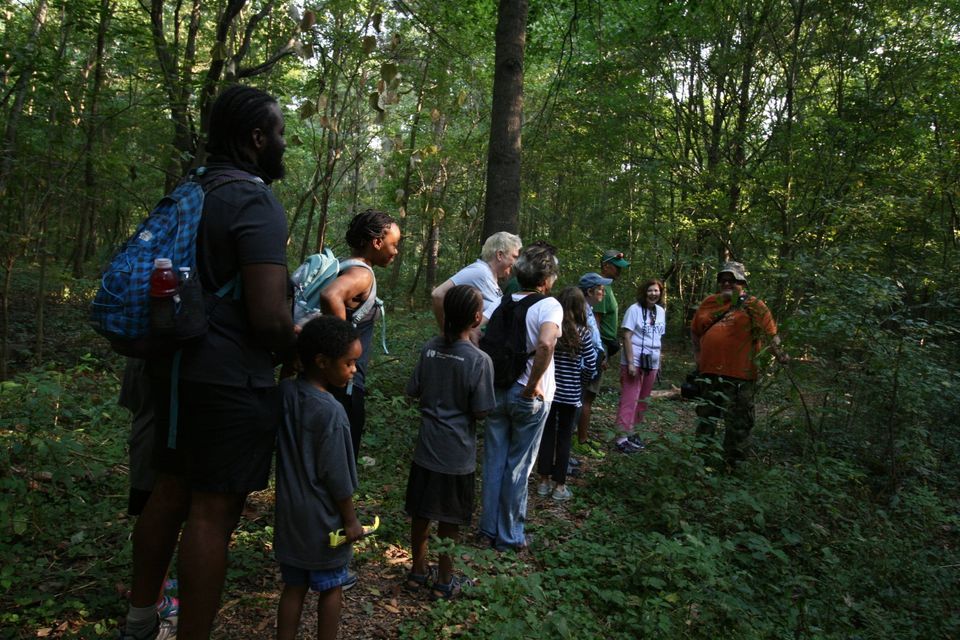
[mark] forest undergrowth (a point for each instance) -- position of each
(837, 528)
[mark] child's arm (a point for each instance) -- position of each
(351, 525)
(482, 398)
(589, 353)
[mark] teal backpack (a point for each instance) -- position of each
(312, 277)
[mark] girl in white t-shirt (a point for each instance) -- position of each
(641, 330)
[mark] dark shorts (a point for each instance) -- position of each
(442, 497)
(136, 501)
(320, 580)
(612, 347)
(225, 436)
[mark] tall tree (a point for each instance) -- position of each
(502, 212)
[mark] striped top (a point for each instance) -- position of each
(570, 369)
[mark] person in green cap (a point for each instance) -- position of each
(606, 312)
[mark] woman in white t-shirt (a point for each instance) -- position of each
(643, 325)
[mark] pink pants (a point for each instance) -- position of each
(633, 391)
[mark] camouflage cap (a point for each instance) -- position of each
(736, 269)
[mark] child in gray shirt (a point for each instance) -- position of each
(316, 478)
(454, 381)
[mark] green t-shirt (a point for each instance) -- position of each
(607, 310)
(513, 286)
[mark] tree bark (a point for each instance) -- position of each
(502, 210)
(86, 238)
(408, 171)
(20, 89)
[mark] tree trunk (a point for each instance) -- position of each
(5, 312)
(433, 252)
(41, 293)
(502, 212)
(787, 157)
(20, 89)
(86, 239)
(408, 171)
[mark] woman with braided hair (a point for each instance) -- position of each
(373, 237)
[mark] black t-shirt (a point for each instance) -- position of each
(242, 224)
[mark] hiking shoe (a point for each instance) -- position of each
(562, 495)
(544, 489)
(627, 447)
(166, 629)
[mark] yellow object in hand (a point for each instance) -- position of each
(338, 538)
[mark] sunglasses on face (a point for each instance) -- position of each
(726, 281)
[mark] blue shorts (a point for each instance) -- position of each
(319, 580)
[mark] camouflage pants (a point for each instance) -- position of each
(730, 400)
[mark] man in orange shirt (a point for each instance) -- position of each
(727, 330)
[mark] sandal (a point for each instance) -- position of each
(418, 580)
(450, 590)
(168, 607)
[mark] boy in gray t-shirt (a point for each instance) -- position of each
(454, 381)
(316, 478)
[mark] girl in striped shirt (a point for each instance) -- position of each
(574, 359)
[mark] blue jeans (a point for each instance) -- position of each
(511, 440)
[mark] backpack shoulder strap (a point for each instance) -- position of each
(354, 262)
(530, 300)
(222, 178)
(364, 309)
(522, 307)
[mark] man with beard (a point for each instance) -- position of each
(218, 446)
(726, 332)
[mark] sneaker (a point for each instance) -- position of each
(627, 447)
(562, 495)
(168, 607)
(544, 489)
(166, 629)
(350, 582)
(636, 441)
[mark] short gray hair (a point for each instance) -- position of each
(535, 266)
(500, 241)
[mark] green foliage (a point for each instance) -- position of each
(817, 147)
(816, 537)
(669, 548)
(63, 527)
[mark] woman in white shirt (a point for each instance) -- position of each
(643, 326)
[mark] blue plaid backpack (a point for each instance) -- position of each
(121, 308)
